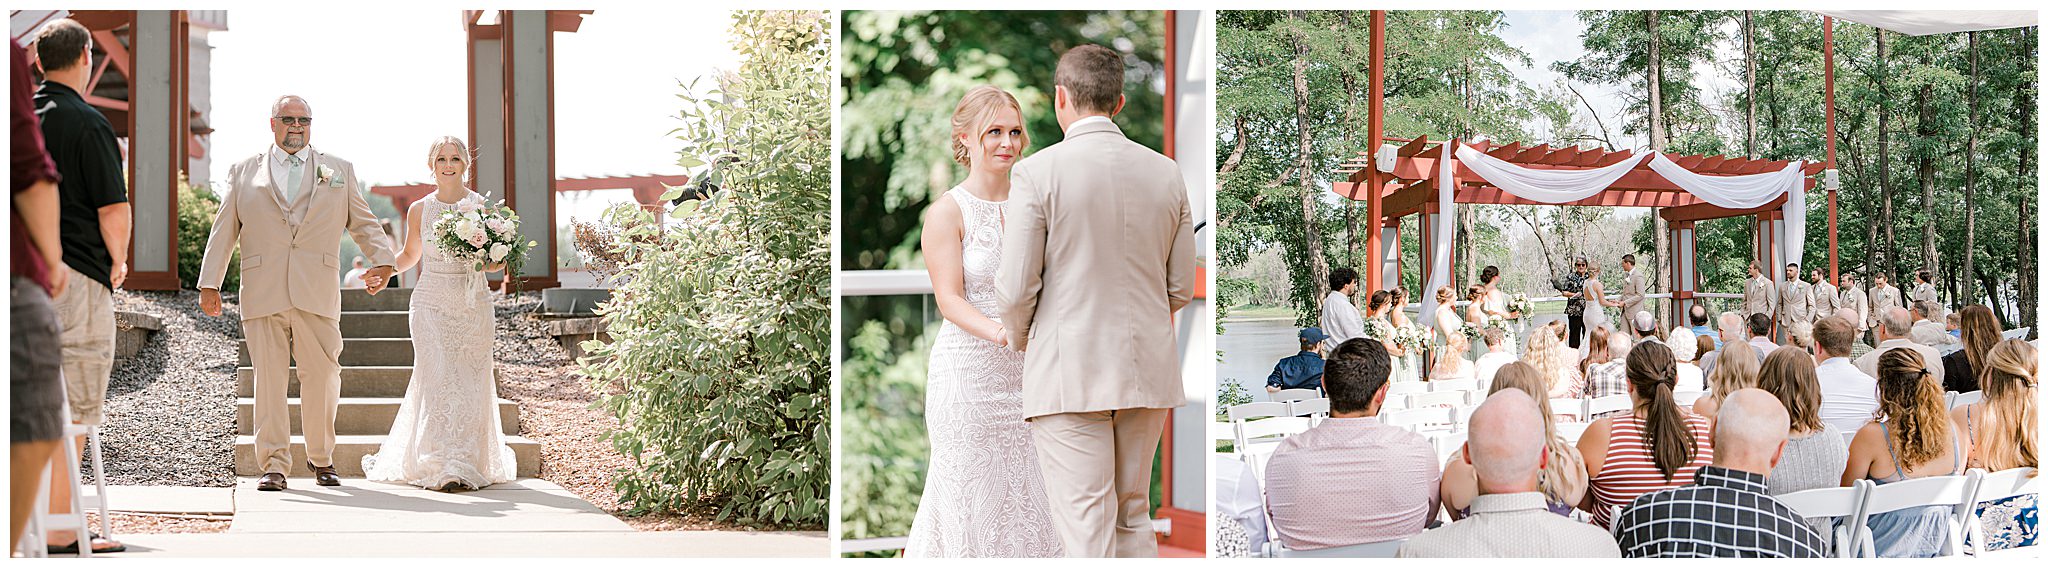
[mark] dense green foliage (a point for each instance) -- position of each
(198, 206)
(720, 365)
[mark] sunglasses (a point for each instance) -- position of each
(295, 120)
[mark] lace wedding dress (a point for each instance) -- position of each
(447, 429)
(983, 494)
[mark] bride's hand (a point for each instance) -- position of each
(499, 267)
(1002, 336)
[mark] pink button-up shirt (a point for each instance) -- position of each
(1351, 481)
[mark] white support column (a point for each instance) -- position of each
(532, 139)
(153, 97)
(1390, 251)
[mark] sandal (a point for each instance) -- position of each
(96, 540)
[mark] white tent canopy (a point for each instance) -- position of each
(1927, 22)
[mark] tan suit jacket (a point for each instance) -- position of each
(1881, 300)
(1759, 296)
(1826, 299)
(1631, 298)
(1855, 299)
(290, 250)
(1794, 304)
(1098, 254)
(1925, 293)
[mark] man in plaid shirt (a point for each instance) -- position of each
(1729, 511)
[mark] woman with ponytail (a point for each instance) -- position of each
(1912, 438)
(1655, 446)
(2001, 432)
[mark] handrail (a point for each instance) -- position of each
(884, 283)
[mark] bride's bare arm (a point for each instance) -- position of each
(942, 250)
(409, 254)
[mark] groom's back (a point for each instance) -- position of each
(1118, 260)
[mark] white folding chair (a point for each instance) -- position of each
(1573, 407)
(1453, 385)
(1571, 431)
(1447, 443)
(42, 520)
(1994, 486)
(1241, 423)
(1953, 491)
(1844, 503)
(1443, 398)
(1950, 398)
(1406, 388)
(1291, 395)
(1382, 549)
(1250, 410)
(1314, 408)
(1964, 399)
(1606, 404)
(1417, 419)
(1258, 438)
(1464, 416)
(1686, 398)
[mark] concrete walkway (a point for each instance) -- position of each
(526, 518)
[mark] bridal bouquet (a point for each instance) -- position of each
(1497, 322)
(1519, 303)
(1380, 330)
(482, 234)
(1413, 338)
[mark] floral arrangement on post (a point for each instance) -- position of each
(483, 235)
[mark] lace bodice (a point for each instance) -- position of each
(981, 234)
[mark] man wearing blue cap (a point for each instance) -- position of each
(1303, 370)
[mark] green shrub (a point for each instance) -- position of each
(720, 359)
(883, 452)
(197, 208)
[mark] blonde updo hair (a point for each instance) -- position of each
(461, 149)
(976, 109)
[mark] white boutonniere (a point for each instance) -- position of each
(326, 176)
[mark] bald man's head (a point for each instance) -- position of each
(1750, 431)
(1506, 444)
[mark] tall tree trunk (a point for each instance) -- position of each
(2024, 99)
(1927, 131)
(1468, 213)
(1657, 141)
(1970, 188)
(1884, 158)
(1312, 231)
(1350, 105)
(1749, 64)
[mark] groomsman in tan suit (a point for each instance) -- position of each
(1759, 295)
(1826, 299)
(1883, 297)
(287, 211)
(1853, 298)
(1795, 302)
(1923, 291)
(1631, 289)
(1098, 254)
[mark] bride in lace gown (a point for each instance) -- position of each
(983, 495)
(447, 435)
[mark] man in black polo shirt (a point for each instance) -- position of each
(93, 215)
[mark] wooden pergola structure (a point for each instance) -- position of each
(1409, 184)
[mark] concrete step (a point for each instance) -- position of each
(375, 324)
(364, 416)
(349, 452)
(358, 382)
(366, 352)
(389, 300)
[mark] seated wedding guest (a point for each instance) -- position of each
(1237, 499)
(1658, 445)
(1955, 325)
(1510, 517)
(1602, 366)
(1564, 473)
(1926, 331)
(353, 280)
(1914, 439)
(1727, 513)
(1496, 355)
(1302, 370)
(1697, 316)
(1814, 450)
(1548, 353)
(2001, 430)
(1856, 345)
(1760, 335)
(1848, 396)
(1799, 335)
(1737, 371)
(1686, 349)
(1895, 325)
(1351, 479)
(1452, 364)
(1733, 328)
(1646, 329)
(1980, 333)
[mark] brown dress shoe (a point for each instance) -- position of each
(324, 476)
(271, 482)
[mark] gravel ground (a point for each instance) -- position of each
(171, 408)
(554, 410)
(124, 523)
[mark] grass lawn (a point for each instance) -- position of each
(1249, 312)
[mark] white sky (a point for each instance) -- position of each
(384, 82)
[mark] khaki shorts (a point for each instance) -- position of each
(86, 309)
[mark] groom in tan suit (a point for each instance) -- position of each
(1098, 254)
(287, 210)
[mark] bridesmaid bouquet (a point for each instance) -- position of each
(1470, 331)
(1519, 303)
(1380, 330)
(482, 234)
(1413, 338)
(1497, 322)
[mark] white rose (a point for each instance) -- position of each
(498, 252)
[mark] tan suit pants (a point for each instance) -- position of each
(1098, 479)
(315, 342)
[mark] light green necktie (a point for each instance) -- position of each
(292, 177)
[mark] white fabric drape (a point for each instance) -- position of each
(1544, 186)
(1440, 240)
(1754, 190)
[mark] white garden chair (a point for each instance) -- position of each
(1465, 416)
(1993, 486)
(1956, 399)
(1572, 407)
(1291, 395)
(1406, 388)
(1248, 434)
(1315, 409)
(1953, 491)
(1447, 443)
(1571, 431)
(1606, 404)
(1382, 549)
(1250, 410)
(1686, 398)
(1453, 385)
(1417, 419)
(1849, 540)
(1443, 398)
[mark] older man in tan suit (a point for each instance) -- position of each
(287, 210)
(1632, 289)
(1098, 254)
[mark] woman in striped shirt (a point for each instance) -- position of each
(1656, 446)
